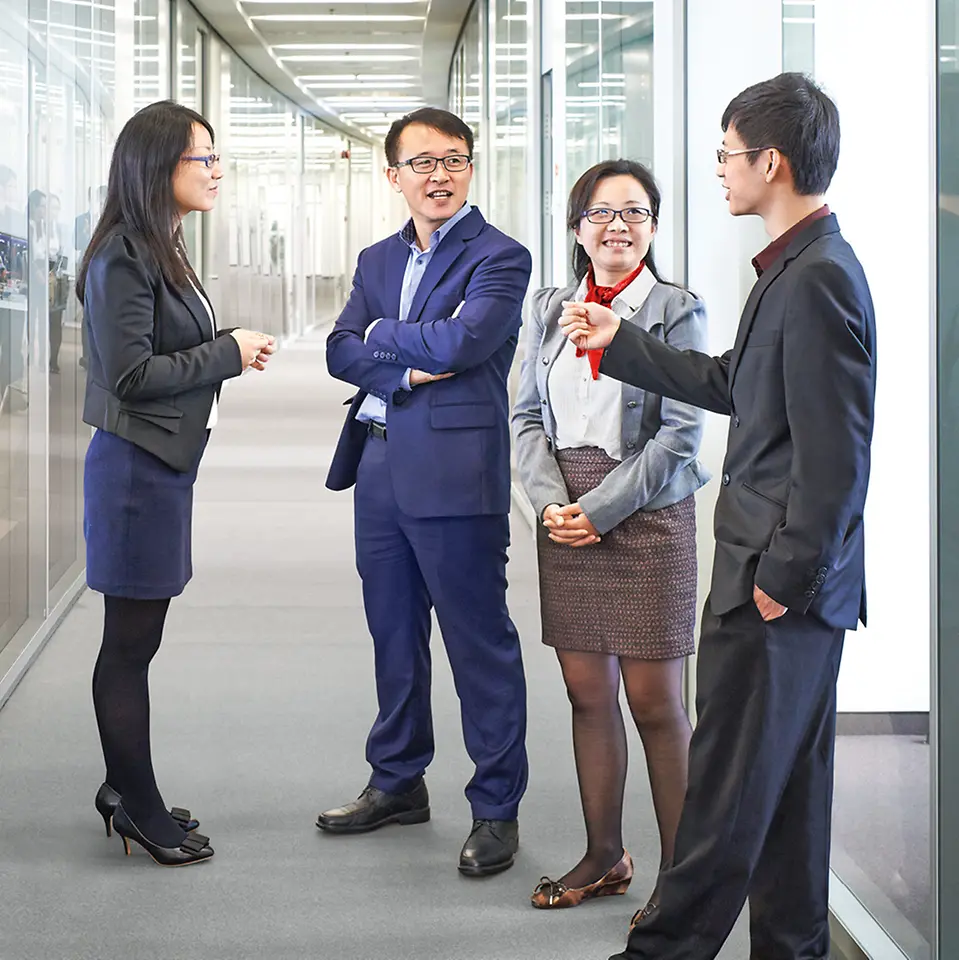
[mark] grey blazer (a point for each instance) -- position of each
(662, 435)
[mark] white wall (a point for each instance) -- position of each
(729, 46)
(879, 67)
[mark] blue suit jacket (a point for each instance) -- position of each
(448, 444)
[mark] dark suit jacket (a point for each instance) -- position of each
(799, 387)
(448, 443)
(154, 364)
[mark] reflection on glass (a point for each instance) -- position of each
(799, 36)
(511, 105)
(15, 74)
(609, 64)
(947, 656)
(881, 811)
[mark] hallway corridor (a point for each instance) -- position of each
(262, 698)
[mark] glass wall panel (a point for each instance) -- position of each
(151, 52)
(609, 63)
(881, 843)
(190, 74)
(946, 849)
(15, 260)
(799, 36)
(511, 139)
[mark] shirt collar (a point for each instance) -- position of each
(764, 260)
(630, 299)
(408, 233)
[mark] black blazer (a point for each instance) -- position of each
(154, 365)
(799, 387)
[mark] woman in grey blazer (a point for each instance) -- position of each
(611, 472)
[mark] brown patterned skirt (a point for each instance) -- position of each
(633, 594)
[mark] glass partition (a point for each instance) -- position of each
(510, 109)
(16, 256)
(946, 651)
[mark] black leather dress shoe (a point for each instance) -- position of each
(490, 848)
(374, 809)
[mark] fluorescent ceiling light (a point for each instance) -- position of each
(339, 3)
(352, 85)
(337, 18)
(335, 58)
(344, 46)
(357, 76)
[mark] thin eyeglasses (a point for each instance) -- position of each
(456, 163)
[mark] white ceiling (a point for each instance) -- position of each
(359, 63)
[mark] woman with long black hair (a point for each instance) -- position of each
(611, 472)
(156, 363)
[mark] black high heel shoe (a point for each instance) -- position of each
(107, 799)
(194, 848)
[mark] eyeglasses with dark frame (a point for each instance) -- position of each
(722, 155)
(209, 161)
(456, 163)
(627, 215)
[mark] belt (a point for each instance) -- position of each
(376, 429)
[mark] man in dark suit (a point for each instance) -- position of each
(428, 335)
(788, 581)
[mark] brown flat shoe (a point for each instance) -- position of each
(552, 894)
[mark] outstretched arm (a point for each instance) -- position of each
(635, 356)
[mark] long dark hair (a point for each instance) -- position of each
(140, 189)
(582, 193)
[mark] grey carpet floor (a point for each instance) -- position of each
(262, 698)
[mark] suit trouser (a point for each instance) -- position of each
(456, 565)
(757, 816)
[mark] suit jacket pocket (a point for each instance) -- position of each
(462, 416)
(155, 412)
(764, 496)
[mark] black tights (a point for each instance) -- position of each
(132, 630)
(654, 694)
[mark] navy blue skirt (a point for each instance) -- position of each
(137, 521)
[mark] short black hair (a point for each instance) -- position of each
(441, 120)
(792, 114)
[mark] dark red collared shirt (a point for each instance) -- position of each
(763, 261)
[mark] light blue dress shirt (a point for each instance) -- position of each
(373, 408)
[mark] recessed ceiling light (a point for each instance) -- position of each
(344, 46)
(335, 58)
(357, 76)
(353, 85)
(339, 18)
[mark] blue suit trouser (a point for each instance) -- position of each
(457, 566)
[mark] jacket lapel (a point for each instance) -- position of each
(397, 256)
(192, 302)
(446, 253)
(814, 231)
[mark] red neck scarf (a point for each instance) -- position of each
(604, 296)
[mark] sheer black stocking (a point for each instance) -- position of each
(132, 630)
(654, 694)
(599, 745)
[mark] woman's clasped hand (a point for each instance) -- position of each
(255, 347)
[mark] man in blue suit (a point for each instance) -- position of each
(428, 335)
